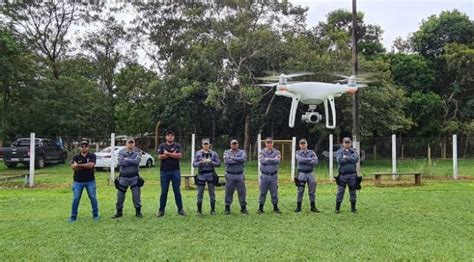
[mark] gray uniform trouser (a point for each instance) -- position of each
(351, 181)
(233, 182)
(309, 179)
(133, 183)
(268, 183)
(210, 185)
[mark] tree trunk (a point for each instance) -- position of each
(213, 131)
(247, 131)
(157, 135)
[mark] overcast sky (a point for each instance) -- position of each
(396, 17)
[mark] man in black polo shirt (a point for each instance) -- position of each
(83, 166)
(170, 154)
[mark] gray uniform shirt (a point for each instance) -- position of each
(306, 160)
(129, 162)
(347, 165)
(269, 160)
(206, 167)
(235, 160)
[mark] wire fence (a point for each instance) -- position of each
(373, 148)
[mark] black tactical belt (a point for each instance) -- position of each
(305, 171)
(269, 174)
(347, 173)
(129, 175)
(205, 172)
(237, 173)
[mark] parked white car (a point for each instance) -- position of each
(104, 158)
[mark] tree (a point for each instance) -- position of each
(412, 71)
(437, 31)
(103, 46)
(43, 26)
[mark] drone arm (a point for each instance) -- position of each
(333, 111)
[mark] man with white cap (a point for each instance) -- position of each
(128, 160)
(269, 161)
(206, 160)
(347, 158)
(234, 159)
(306, 160)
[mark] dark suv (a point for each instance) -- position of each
(47, 151)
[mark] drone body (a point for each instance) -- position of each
(313, 94)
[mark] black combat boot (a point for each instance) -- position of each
(213, 207)
(313, 207)
(353, 207)
(118, 213)
(338, 207)
(260, 209)
(298, 207)
(227, 210)
(276, 209)
(243, 209)
(199, 208)
(138, 212)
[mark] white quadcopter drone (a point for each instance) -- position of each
(312, 94)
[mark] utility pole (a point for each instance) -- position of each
(355, 96)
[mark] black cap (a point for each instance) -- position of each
(268, 139)
(346, 139)
(170, 132)
(84, 143)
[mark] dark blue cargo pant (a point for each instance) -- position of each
(349, 180)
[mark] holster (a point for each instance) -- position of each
(199, 182)
(141, 181)
(118, 186)
(338, 180)
(215, 178)
(299, 183)
(359, 182)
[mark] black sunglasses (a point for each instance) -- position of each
(131, 142)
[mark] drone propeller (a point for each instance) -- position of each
(268, 84)
(362, 78)
(278, 77)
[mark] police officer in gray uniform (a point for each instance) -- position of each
(206, 160)
(128, 160)
(347, 158)
(269, 160)
(234, 159)
(306, 160)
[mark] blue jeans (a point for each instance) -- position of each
(77, 188)
(175, 178)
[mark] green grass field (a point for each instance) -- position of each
(434, 221)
